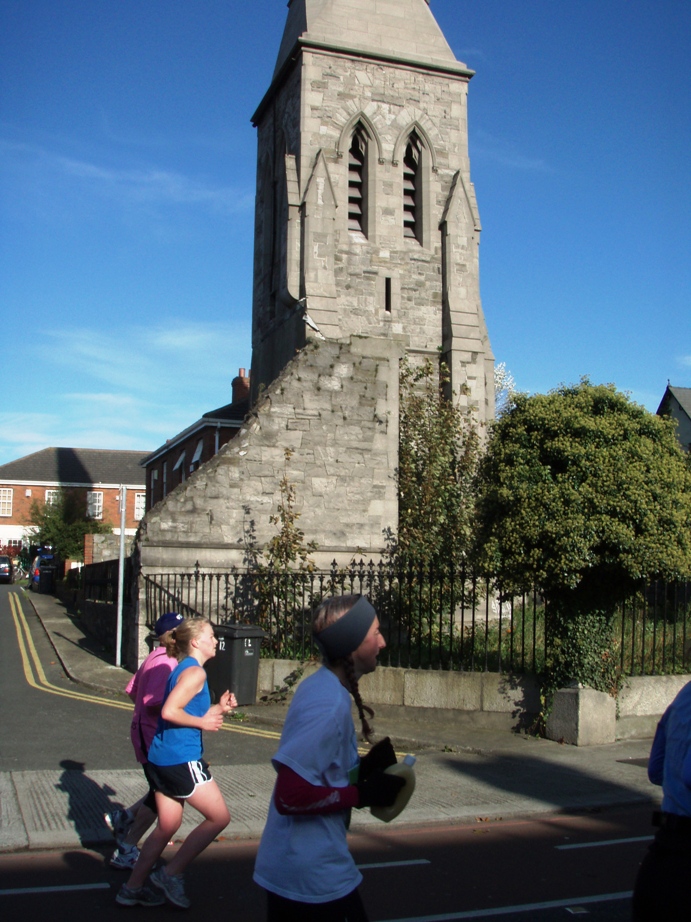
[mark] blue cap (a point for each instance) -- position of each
(167, 622)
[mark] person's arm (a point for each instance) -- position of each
(131, 687)
(656, 762)
(189, 684)
(295, 796)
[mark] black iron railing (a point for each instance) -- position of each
(435, 619)
(432, 619)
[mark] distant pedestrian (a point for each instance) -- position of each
(177, 772)
(303, 860)
(661, 893)
(147, 689)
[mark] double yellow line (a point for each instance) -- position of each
(36, 677)
(33, 670)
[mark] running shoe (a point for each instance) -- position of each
(172, 885)
(144, 896)
(119, 822)
(125, 858)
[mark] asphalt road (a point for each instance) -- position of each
(49, 722)
(547, 869)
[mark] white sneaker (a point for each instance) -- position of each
(119, 822)
(144, 896)
(172, 886)
(125, 858)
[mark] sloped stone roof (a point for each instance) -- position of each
(404, 29)
(77, 466)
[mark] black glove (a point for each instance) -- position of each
(380, 756)
(379, 789)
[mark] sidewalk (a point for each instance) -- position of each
(464, 774)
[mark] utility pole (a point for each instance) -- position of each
(121, 576)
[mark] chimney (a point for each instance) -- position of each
(241, 387)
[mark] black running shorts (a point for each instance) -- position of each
(178, 781)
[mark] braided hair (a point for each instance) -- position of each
(326, 614)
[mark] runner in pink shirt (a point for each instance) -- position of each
(147, 689)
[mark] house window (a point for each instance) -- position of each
(180, 464)
(165, 478)
(412, 188)
(197, 454)
(52, 497)
(6, 501)
(139, 505)
(357, 182)
(94, 504)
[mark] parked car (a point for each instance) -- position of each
(44, 558)
(6, 569)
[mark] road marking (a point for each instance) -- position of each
(605, 842)
(526, 907)
(394, 864)
(20, 891)
(36, 677)
(251, 731)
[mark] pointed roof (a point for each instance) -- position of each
(403, 30)
(683, 397)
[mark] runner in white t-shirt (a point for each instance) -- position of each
(303, 860)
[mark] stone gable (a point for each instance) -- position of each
(336, 407)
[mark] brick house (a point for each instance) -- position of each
(676, 404)
(95, 474)
(171, 464)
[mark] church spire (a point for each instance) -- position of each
(404, 31)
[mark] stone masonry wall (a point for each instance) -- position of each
(336, 407)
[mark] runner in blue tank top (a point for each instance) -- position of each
(177, 772)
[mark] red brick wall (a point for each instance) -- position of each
(21, 504)
(189, 446)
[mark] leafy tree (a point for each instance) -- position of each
(583, 493)
(438, 455)
(63, 524)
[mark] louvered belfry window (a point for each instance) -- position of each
(357, 183)
(411, 188)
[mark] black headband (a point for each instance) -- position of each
(345, 635)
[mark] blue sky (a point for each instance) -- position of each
(127, 170)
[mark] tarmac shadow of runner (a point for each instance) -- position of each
(87, 800)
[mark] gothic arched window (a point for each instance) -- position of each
(412, 188)
(357, 182)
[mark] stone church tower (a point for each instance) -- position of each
(366, 219)
(366, 250)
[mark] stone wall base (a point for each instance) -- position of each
(580, 716)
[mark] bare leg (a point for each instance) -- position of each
(144, 819)
(208, 800)
(169, 820)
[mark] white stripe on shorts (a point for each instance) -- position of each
(199, 776)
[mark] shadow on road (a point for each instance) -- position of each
(87, 800)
